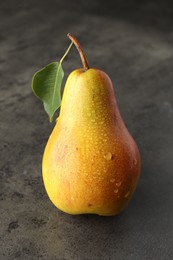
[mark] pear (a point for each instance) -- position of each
(91, 163)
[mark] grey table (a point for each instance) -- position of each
(133, 42)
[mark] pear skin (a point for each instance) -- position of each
(91, 163)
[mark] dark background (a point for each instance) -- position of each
(133, 42)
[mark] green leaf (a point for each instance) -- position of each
(46, 85)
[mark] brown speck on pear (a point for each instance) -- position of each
(127, 194)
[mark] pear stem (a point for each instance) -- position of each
(80, 50)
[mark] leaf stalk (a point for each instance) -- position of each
(65, 54)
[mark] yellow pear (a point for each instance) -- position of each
(91, 163)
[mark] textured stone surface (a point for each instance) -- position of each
(133, 43)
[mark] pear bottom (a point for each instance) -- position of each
(104, 193)
(98, 201)
(89, 179)
(101, 209)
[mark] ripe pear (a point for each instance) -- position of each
(91, 163)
